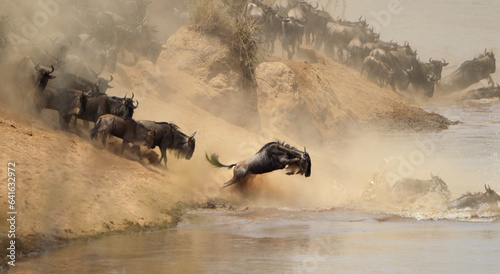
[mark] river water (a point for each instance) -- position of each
(349, 236)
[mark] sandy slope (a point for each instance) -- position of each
(70, 189)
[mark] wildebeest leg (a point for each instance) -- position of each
(104, 137)
(67, 120)
(163, 155)
(230, 182)
(240, 173)
(138, 151)
(63, 120)
(124, 144)
(490, 80)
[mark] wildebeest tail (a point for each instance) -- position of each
(214, 160)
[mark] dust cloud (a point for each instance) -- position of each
(193, 84)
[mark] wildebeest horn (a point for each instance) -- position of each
(430, 60)
(317, 5)
(37, 67)
(444, 63)
(360, 18)
(410, 69)
(110, 78)
(52, 68)
(136, 104)
(125, 97)
(305, 150)
(192, 135)
(132, 95)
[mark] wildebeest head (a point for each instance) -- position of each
(490, 196)
(486, 60)
(123, 107)
(437, 67)
(102, 84)
(43, 76)
(128, 103)
(492, 60)
(186, 148)
(305, 163)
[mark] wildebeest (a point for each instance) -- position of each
(124, 128)
(67, 102)
(377, 71)
(319, 30)
(272, 156)
(477, 200)
(100, 104)
(424, 78)
(342, 32)
(483, 93)
(406, 190)
(355, 50)
(470, 72)
(291, 30)
(401, 75)
(168, 136)
(41, 79)
(272, 28)
(302, 12)
(409, 190)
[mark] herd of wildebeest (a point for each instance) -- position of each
(356, 44)
(64, 80)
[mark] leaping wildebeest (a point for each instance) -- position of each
(470, 72)
(272, 156)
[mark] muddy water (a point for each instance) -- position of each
(352, 237)
(287, 241)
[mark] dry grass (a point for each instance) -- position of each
(223, 18)
(212, 17)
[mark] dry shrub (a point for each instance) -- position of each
(212, 17)
(224, 19)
